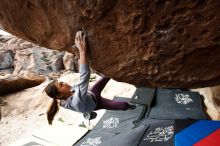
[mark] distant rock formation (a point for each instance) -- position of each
(22, 62)
(155, 43)
(11, 83)
(18, 56)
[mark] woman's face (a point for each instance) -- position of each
(63, 89)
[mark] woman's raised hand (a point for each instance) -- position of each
(80, 42)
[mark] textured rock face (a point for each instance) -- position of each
(145, 43)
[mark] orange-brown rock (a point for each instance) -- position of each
(11, 83)
(211, 100)
(145, 43)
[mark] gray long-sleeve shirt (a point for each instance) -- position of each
(81, 101)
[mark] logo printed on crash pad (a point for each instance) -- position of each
(183, 98)
(160, 134)
(92, 141)
(111, 123)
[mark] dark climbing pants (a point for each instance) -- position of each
(103, 103)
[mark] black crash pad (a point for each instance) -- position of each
(94, 138)
(127, 138)
(176, 104)
(159, 133)
(143, 96)
(118, 121)
(156, 129)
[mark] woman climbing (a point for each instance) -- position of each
(78, 97)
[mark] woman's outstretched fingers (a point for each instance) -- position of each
(77, 40)
(84, 38)
(80, 36)
(76, 37)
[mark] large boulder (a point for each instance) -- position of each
(145, 43)
(11, 83)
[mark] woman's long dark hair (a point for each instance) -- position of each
(52, 91)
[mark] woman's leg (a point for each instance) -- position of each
(108, 104)
(103, 103)
(99, 86)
